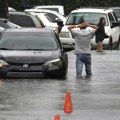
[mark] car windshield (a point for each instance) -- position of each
(92, 18)
(28, 41)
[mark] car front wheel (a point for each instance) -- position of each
(110, 45)
(118, 43)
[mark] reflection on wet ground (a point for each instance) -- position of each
(95, 98)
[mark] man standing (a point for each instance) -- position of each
(83, 34)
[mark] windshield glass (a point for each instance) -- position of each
(92, 18)
(28, 41)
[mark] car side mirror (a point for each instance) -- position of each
(67, 47)
(60, 24)
(115, 24)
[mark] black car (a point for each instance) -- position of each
(32, 52)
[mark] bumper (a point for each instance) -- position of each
(25, 75)
(7, 72)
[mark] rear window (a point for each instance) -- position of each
(51, 17)
(92, 18)
(22, 20)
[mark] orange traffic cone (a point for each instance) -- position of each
(57, 117)
(68, 104)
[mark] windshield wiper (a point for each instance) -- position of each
(33, 49)
(5, 49)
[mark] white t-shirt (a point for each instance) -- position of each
(83, 39)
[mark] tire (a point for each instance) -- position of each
(118, 44)
(110, 45)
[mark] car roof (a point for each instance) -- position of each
(18, 13)
(63, 18)
(40, 10)
(32, 30)
(114, 7)
(94, 10)
(57, 8)
(11, 9)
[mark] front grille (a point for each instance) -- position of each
(32, 68)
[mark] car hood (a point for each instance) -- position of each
(30, 57)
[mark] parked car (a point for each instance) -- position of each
(24, 19)
(11, 9)
(5, 23)
(57, 8)
(91, 15)
(116, 11)
(53, 15)
(32, 52)
(49, 18)
(47, 21)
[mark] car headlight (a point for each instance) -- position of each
(53, 64)
(64, 34)
(2, 63)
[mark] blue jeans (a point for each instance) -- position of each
(83, 58)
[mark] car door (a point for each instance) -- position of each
(114, 30)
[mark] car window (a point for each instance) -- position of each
(4, 24)
(31, 41)
(54, 9)
(22, 20)
(92, 18)
(111, 17)
(115, 16)
(52, 16)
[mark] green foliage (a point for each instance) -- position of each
(3, 8)
(69, 5)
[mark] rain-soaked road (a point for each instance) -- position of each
(97, 98)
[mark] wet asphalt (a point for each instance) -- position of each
(95, 98)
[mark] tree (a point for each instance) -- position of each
(4, 8)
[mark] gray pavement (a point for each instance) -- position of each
(97, 98)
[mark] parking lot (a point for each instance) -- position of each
(97, 98)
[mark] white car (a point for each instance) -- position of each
(46, 21)
(112, 27)
(11, 9)
(57, 8)
(48, 17)
(53, 15)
